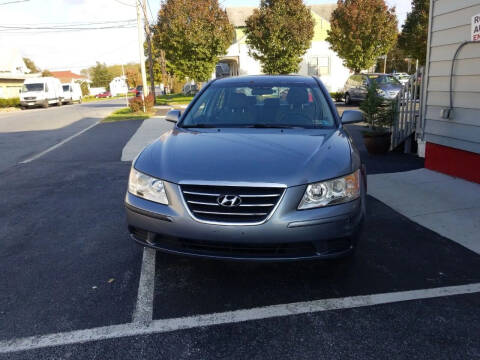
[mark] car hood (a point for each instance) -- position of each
(390, 87)
(274, 156)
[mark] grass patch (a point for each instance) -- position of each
(90, 98)
(174, 99)
(126, 114)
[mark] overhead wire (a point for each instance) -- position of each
(121, 2)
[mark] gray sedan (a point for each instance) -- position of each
(357, 85)
(256, 168)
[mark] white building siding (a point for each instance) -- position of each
(450, 27)
(337, 75)
(333, 81)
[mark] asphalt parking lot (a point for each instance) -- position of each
(74, 286)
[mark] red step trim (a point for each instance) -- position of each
(454, 162)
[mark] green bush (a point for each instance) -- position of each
(337, 96)
(378, 113)
(85, 89)
(136, 103)
(11, 102)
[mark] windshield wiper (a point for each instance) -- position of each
(205, 126)
(271, 126)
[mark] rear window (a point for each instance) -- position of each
(249, 105)
(384, 80)
(66, 87)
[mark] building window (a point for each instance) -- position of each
(319, 66)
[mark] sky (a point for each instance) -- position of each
(76, 50)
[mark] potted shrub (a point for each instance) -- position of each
(379, 116)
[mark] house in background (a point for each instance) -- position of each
(13, 72)
(118, 86)
(68, 77)
(449, 134)
(319, 60)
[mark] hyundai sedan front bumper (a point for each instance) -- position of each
(287, 233)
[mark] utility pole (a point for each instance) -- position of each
(149, 48)
(141, 53)
(125, 79)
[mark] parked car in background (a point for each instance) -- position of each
(245, 176)
(41, 91)
(190, 89)
(139, 91)
(72, 93)
(94, 91)
(105, 94)
(356, 88)
(402, 77)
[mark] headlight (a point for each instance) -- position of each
(331, 192)
(381, 92)
(147, 187)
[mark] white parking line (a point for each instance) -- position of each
(64, 141)
(229, 317)
(144, 308)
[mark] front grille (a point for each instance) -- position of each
(30, 98)
(256, 205)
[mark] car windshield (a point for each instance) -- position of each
(387, 80)
(66, 87)
(33, 87)
(260, 105)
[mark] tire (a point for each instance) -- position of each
(60, 102)
(80, 100)
(23, 107)
(348, 99)
(45, 104)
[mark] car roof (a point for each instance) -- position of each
(265, 79)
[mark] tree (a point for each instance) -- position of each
(31, 65)
(84, 88)
(85, 72)
(193, 35)
(279, 33)
(413, 39)
(101, 77)
(377, 113)
(397, 61)
(134, 78)
(46, 73)
(361, 31)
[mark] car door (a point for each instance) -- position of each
(353, 86)
(362, 89)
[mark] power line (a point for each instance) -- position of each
(62, 27)
(39, 32)
(121, 2)
(14, 2)
(77, 23)
(58, 30)
(150, 10)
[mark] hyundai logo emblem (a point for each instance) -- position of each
(229, 200)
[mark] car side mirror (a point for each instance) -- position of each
(352, 117)
(173, 115)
